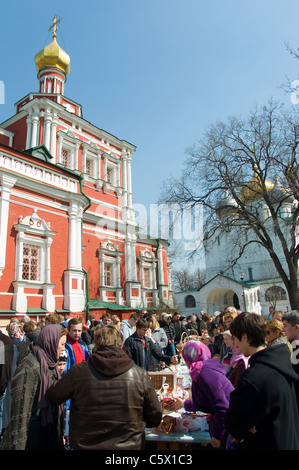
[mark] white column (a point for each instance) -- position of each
(102, 273)
(19, 256)
(155, 274)
(84, 152)
(105, 168)
(119, 298)
(35, 122)
(128, 257)
(133, 260)
(48, 260)
(124, 179)
(160, 266)
(118, 175)
(7, 182)
(29, 131)
(129, 184)
(98, 174)
(47, 129)
(141, 266)
(59, 150)
(79, 239)
(76, 156)
(118, 284)
(53, 137)
(72, 240)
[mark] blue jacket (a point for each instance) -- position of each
(71, 356)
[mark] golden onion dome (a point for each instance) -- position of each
(53, 56)
(253, 190)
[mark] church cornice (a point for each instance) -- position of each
(40, 100)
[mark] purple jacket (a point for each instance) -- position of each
(211, 391)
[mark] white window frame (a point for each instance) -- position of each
(68, 141)
(148, 261)
(93, 153)
(111, 163)
(111, 169)
(33, 231)
(109, 254)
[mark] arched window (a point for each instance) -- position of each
(275, 293)
(190, 301)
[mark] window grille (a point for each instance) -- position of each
(31, 257)
(146, 278)
(89, 167)
(108, 274)
(65, 157)
(110, 175)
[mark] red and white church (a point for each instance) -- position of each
(69, 241)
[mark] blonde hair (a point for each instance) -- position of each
(108, 336)
(116, 320)
(155, 324)
(275, 326)
(232, 315)
(54, 318)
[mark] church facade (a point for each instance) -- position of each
(68, 236)
(251, 283)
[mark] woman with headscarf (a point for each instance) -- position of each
(211, 389)
(34, 422)
(15, 330)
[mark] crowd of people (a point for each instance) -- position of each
(66, 384)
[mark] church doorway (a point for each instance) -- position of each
(220, 298)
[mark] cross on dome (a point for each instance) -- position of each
(54, 26)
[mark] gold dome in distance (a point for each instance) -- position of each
(253, 189)
(53, 55)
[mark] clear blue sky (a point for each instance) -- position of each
(155, 72)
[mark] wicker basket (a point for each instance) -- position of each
(185, 338)
(157, 378)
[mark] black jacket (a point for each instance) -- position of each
(265, 398)
(179, 329)
(142, 355)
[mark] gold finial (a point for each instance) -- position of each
(54, 26)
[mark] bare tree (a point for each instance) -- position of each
(218, 174)
(184, 279)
